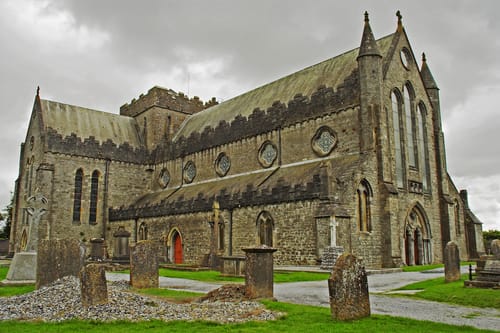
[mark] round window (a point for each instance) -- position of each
(405, 57)
(267, 154)
(324, 141)
(189, 172)
(164, 178)
(222, 164)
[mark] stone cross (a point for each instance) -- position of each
(333, 232)
(37, 206)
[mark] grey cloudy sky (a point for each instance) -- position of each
(101, 54)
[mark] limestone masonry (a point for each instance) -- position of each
(348, 153)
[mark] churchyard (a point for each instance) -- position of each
(267, 316)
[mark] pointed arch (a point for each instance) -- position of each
(423, 146)
(175, 246)
(94, 194)
(265, 228)
(417, 237)
(409, 108)
(143, 231)
(77, 196)
(364, 195)
(397, 106)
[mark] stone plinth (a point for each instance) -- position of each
(22, 269)
(121, 251)
(451, 262)
(97, 249)
(488, 269)
(348, 289)
(259, 272)
(93, 285)
(58, 258)
(233, 266)
(330, 255)
(144, 265)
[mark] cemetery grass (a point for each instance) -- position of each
(454, 292)
(298, 318)
(13, 290)
(421, 268)
(215, 276)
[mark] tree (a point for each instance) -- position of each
(5, 232)
(488, 236)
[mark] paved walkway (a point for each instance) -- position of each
(316, 293)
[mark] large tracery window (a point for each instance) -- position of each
(408, 97)
(396, 120)
(423, 149)
(94, 191)
(77, 198)
(364, 194)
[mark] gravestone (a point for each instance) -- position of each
(97, 249)
(58, 258)
(144, 265)
(94, 290)
(451, 262)
(348, 289)
(331, 252)
(488, 269)
(23, 268)
(259, 272)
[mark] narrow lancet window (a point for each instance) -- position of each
(94, 191)
(364, 213)
(398, 154)
(410, 125)
(77, 198)
(423, 149)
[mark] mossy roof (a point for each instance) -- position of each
(329, 73)
(67, 119)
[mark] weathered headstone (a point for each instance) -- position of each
(451, 262)
(144, 265)
(495, 248)
(348, 288)
(57, 258)
(259, 272)
(97, 249)
(94, 290)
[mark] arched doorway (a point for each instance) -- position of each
(177, 248)
(417, 238)
(265, 227)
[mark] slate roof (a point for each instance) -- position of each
(68, 119)
(329, 73)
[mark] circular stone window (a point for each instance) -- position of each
(189, 172)
(324, 141)
(222, 164)
(405, 57)
(267, 154)
(164, 178)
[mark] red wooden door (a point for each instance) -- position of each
(177, 249)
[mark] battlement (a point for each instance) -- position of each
(165, 98)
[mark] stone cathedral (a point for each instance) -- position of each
(347, 153)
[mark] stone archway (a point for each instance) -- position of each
(417, 238)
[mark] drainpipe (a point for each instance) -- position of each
(230, 252)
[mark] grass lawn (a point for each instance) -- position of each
(455, 292)
(215, 276)
(12, 290)
(421, 268)
(299, 318)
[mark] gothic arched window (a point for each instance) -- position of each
(396, 120)
(423, 148)
(77, 198)
(265, 226)
(143, 232)
(94, 192)
(408, 97)
(364, 195)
